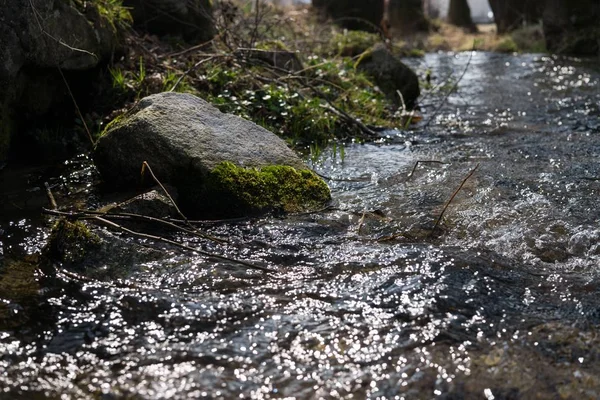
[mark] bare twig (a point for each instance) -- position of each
(174, 243)
(60, 42)
(361, 222)
(437, 222)
(87, 130)
(422, 162)
(435, 112)
(90, 214)
(121, 228)
(50, 196)
(37, 17)
(193, 67)
(146, 166)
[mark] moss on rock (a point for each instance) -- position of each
(234, 191)
(70, 242)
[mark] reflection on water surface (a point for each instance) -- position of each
(500, 302)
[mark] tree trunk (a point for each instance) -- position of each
(512, 14)
(571, 26)
(363, 15)
(459, 14)
(407, 16)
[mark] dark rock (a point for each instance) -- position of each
(37, 37)
(572, 27)
(191, 18)
(95, 252)
(391, 75)
(184, 139)
(353, 14)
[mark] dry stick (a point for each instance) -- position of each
(193, 67)
(422, 162)
(50, 196)
(146, 166)
(328, 178)
(452, 198)
(90, 214)
(190, 49)
(87, 130)
(361, 222)
(435, 112)
(174, 243)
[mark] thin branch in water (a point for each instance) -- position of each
(328, 178)
(361, 222)
(422, 162)
(50, 196)
(132, 216)
(435, 112)
(174, 243)
(146, 166)
(437, 222)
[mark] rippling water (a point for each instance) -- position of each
(367, 300)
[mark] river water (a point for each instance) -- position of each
(368, 299)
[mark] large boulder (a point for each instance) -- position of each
(36, 38)
(390, 75)
(572, 27)
(191, 18)
(221, 165)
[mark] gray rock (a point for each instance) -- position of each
(390, 75)
(183, 138)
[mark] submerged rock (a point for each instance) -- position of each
(190, 144)
(97, 253)
(391, 75)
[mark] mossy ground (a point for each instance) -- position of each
(236, 191)
(302, 107)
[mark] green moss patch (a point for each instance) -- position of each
(235, 191)
(70, 242)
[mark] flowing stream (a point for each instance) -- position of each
(499, 301)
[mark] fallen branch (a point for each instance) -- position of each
(174, 243)
(437, 222)
(87, 215)
(193, 67)
(422, 162)
(146, 166)
(103, 219)
(435, 112)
